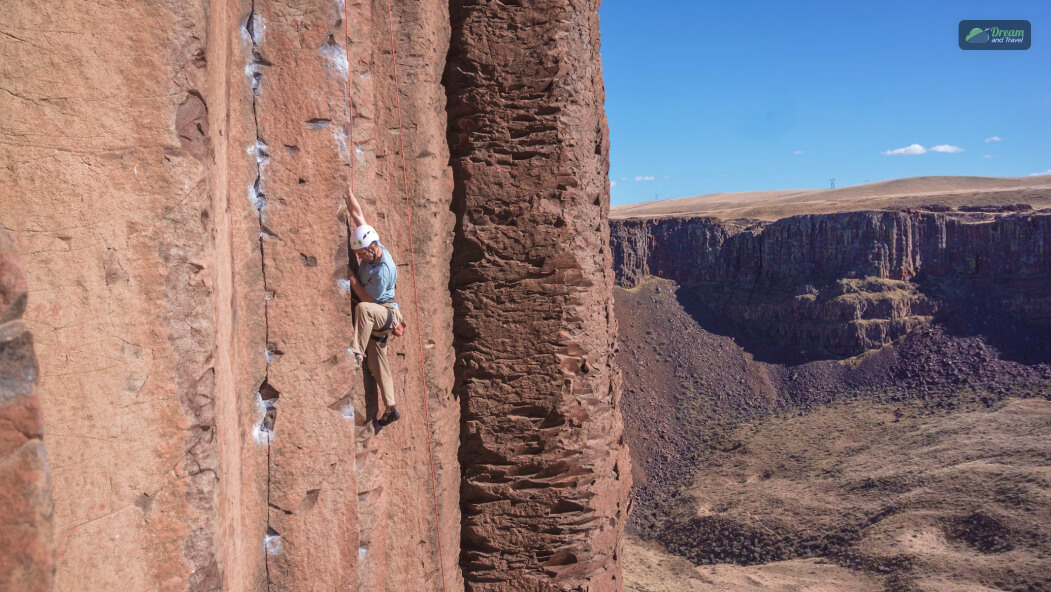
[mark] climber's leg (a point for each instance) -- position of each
(368, 316)
(379, 365)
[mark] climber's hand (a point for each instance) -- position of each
(359, 289)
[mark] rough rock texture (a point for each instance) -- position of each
(396, 502)
(177, 183)
(839, 284)
(310, 540)
(545, 470)
(26, 535)
(104, 164)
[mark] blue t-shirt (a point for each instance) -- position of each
(379, 278)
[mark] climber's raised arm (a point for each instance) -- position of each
(357, 215)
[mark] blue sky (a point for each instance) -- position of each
(704, 97)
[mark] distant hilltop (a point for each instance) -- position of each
(912, 192)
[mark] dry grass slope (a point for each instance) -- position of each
(650, 569)
(914, 192)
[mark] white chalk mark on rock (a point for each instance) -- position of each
(336, 57)
(272, 543)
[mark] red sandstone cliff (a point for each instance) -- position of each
(177, 182)
(546, 471)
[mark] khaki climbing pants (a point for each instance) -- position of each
(369, 319)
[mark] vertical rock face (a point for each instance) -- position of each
(298, 147)
(177, 181)
(28, 560)
(104, 162)
(545, 469)
(891, 245)
(398, 527)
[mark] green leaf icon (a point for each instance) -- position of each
(974, 31)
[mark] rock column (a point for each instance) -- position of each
(545, 471)
(27, 562)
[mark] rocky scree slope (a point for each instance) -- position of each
(690, 383)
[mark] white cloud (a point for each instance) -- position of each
(1047, 172)
(623, 178)
(666, 177)
(645, 178)
(797, 152)
(987, 156)
(612, 184)
(994, 139)
(911, 149)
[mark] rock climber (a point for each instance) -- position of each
(377, 315)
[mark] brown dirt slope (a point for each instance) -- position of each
(914, 192)
(942, 501)
(750, 463)
(647, 568)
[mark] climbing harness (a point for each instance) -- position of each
(348, 95)
(384, 331)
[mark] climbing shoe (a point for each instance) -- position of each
(389, 417)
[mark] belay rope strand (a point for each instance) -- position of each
(348, 96)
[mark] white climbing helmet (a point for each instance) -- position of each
(364, 236)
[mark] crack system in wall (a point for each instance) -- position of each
(267, 395)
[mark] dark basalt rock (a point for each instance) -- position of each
(837, 285)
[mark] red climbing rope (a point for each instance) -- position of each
(416, 296)
(412, 253)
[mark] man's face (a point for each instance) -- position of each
(369, 254)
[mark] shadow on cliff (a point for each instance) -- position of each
(1012, 315)
(704, 309)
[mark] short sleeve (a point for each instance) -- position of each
(383, 280)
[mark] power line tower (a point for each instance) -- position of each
(831, 183)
